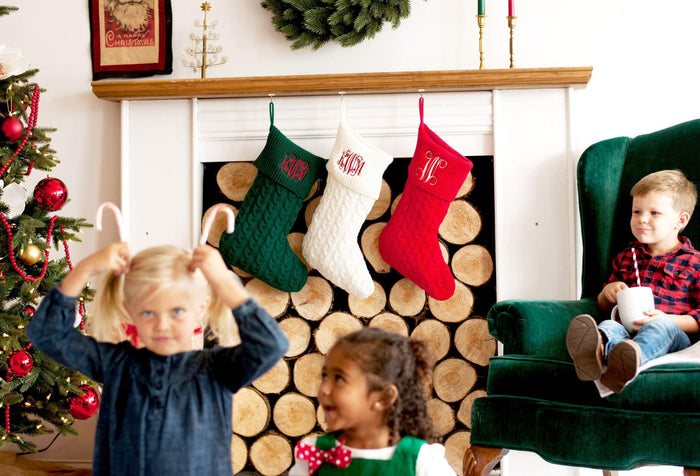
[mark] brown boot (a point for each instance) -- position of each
(585, 346)
(623, 362)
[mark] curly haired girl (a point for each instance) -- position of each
(374, 389)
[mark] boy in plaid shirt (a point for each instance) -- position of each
(662, 203)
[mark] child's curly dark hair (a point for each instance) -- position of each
(387, 359)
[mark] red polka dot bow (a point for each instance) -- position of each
(337, 456)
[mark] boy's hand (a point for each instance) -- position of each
(651, 315)
(611, 289)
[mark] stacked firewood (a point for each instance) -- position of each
(280, 407)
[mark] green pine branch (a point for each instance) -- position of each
(348, 22)
(6, 9)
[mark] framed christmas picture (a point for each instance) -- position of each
(130, 38)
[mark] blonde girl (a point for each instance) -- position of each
(149, 271)
(166, 408)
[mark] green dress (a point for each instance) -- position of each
(402, 462)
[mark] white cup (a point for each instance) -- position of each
(631, 304)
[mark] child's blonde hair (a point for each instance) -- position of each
(672, 182)
(151, 270)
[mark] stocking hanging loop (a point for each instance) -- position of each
(420, 107)
(272, 111)
(342, 105)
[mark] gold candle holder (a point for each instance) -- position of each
(511, 26)
(481, 21)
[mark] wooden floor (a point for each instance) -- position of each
(13, 465)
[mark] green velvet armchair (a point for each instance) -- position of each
(535, 402)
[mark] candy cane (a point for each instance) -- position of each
(231, 219)
(117, 215)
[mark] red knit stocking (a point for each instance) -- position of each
(409, 241)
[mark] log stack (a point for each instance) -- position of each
(280, 408)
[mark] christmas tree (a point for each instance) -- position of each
(37, 395)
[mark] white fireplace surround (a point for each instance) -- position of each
(529, 132)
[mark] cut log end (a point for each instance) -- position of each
(235, 179)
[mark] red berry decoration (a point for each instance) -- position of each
(51, 194)
(20, 363)
(12, 128)
(84, 406)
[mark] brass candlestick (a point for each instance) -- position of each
(511, 26)
(481, 21)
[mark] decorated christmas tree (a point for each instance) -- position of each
(37, 395)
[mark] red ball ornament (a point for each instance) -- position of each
(20, 363)
(12, 128)
(51, 194)
(84, 406)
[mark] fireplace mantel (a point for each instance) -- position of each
(355, 83)
(522, 117)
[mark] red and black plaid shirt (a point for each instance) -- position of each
(674, 277)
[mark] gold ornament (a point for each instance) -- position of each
(30, 255)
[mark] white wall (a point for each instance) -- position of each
(642, 51)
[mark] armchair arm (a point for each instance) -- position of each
(536, 327)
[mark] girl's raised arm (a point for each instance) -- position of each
(224, 283)
(115, 257)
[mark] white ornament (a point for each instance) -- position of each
(12, 62)
(78, 319)
(15, 197)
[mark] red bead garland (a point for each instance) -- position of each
(30, 126)
(25, 276)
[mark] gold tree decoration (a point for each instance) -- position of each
(203, 54)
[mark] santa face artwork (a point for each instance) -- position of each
(129, 18)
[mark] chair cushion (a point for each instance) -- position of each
(545, 379)
(670, 387)
(593, 437)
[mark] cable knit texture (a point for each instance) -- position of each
(409, 242)
(259, 245)
(355, 170)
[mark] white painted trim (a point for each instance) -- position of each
(125, 166)
(498, 242)
(195, 176)
(575, 287)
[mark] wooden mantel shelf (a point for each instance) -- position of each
(355, 83)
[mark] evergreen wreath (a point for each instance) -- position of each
(348, 22)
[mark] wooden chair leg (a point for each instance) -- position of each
(607, 472)
(480, 460)
(691, 471)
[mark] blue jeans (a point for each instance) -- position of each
(655, 338)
